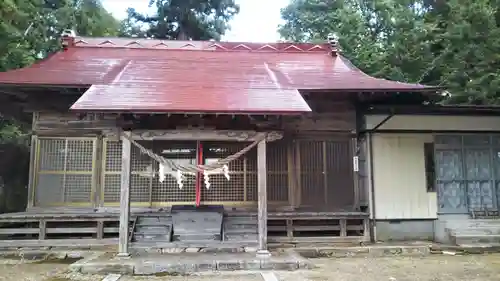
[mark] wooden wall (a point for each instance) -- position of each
(315, 156)
(399, 180)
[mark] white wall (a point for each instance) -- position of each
(399, 180)
(435, 123)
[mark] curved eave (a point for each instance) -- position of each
(190, 112)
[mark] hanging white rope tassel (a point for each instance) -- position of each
(225, 171)
(161, 173)
(206, 179)
(206, 175)
(179, 179)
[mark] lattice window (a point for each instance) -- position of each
(168, 190)
(242, 186)
(326, 175)
(277, 171)
(112, 155)
(240, 171)
(64, 171)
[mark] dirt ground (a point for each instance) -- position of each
(431, 268)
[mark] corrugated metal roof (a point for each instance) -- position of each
(155, 75)
(140, 99)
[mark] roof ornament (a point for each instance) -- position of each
(68, 38)
(333, 40)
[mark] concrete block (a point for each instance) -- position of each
(416, 251)
(251, 265)
(227, 250)
(251, 249)
(173, 250)
(192, 250)
(229, 265)
(476, 239)
(343, 252)
(106, 268)
(152, 268)
(385, 251)
(270, 264)
(76, 254)
(112, 277)
(405, 230)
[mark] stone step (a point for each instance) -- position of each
(476, 238)
(185, 230)
(241, 230)
(229, 222)
(196, 237)
(475, 230)
(240, 226)
(155, 220)
(153, 227)
(149, 232)
(472, 223)
(240, 237)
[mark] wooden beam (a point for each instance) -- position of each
(262, 198)
(125, 198)
(211, 135)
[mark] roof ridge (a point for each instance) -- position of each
(146, 43)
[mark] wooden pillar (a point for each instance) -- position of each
(262, 197)
(355, 174)
(124, 198)
(97, 184)
(298, 176)
(32, 172)
(291, 176)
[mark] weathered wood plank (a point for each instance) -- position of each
(204, 134)
(343, 227)
(326, 239)
(69, 230)
(100, 230)
(201, 244)
(289, 228)
(316, 215)
(67, 243)
(19, 231)
(43, 229)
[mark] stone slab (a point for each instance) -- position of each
(365, 251)
(112, 277)
(185, 263)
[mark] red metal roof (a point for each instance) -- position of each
(166, 76)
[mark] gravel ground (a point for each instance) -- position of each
(431, 268)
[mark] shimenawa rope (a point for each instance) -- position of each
(191, 168)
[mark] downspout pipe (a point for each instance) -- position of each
(369, 134)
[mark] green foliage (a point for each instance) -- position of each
(182, 19)
(30, 29)
(452, 43)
